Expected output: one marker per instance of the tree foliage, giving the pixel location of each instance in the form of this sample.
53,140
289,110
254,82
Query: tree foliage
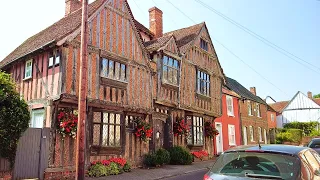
14,117
316,96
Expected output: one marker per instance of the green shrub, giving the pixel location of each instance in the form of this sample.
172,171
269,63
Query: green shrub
314,133
127,167
163,156
306,127
114,169
289,135
150,160
180,155
98,170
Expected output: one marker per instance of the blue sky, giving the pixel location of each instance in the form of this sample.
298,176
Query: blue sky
293,25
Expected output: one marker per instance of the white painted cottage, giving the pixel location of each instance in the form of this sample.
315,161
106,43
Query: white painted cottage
300,108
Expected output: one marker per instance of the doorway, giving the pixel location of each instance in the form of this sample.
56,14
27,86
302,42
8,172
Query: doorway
219,141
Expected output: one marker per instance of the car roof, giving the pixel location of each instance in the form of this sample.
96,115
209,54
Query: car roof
272,148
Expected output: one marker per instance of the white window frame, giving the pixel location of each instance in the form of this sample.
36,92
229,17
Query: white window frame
231,135
28,69
260,134
251,133
230,110
272,117
249,108
33,123
258,110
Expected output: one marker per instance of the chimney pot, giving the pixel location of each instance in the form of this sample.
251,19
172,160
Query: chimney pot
309,94
155,21
253,90
71,6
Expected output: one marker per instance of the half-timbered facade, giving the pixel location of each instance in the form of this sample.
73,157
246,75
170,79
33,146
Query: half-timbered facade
132,72
186,84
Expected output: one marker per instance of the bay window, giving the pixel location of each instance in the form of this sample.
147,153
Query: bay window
170,70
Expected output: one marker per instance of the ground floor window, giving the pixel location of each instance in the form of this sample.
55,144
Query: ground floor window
232,135
107,129
196,136
37,117
251,133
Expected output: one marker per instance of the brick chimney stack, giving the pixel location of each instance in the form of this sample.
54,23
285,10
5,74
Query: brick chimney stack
155,21
253,90
71,6
309,95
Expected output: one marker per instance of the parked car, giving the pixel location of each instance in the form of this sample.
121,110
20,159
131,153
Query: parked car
315,144
266,162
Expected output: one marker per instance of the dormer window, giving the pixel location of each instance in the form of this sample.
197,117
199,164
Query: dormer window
170,71
204,44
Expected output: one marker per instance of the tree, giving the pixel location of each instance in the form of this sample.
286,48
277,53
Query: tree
316,96
14,117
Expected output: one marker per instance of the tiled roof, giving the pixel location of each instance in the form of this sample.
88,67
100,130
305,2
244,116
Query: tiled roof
242,91
317,100
279,106
184,37
157,43
142,28
53,33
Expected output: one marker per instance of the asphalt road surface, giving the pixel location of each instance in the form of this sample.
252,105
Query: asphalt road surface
197,175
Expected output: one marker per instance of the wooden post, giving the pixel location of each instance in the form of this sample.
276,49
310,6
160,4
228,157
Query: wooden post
82,104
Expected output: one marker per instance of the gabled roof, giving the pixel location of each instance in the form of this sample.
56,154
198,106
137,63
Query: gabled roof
301,102
53,33
242,91
184,37
142,28
279,106
316,100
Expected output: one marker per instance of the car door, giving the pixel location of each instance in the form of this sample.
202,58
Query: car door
312,160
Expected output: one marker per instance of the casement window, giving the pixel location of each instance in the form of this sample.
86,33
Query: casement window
260,134
54,59
204,44
272,117
170,70
251,133
203,83
196,136
230,110
113,70
28,69
37,117
106,129
265,136
258,110
249,108
232,134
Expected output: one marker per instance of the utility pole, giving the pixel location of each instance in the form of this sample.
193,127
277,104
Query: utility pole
82,104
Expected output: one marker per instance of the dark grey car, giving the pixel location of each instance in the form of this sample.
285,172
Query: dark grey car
315,144
266,162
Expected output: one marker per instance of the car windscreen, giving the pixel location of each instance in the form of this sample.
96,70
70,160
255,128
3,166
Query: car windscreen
257,164
314,143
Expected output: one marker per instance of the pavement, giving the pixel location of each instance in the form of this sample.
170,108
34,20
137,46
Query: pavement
166,171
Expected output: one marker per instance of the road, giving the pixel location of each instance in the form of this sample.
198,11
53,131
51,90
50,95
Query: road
190,176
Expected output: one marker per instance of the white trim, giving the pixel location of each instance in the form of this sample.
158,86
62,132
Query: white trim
251,130
221,136
28,69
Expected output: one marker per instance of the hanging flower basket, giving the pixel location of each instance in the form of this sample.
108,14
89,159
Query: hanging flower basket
181,127
67,123
209,130
143,129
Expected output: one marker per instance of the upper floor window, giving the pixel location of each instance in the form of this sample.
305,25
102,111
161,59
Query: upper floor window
170,70
230,111
272,117
113,70
249,108
28,69
258,110
54,59
203,83
204,44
